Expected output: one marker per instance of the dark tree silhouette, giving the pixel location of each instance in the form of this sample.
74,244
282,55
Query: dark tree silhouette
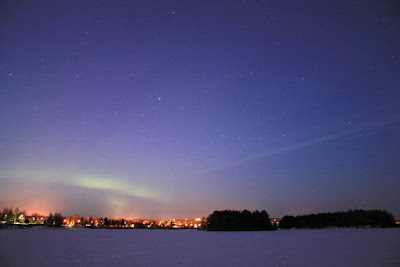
7,215
58,219
351,218
50,219
288,222
231,220
106,222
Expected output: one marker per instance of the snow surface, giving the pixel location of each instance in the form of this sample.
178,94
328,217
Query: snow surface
329,247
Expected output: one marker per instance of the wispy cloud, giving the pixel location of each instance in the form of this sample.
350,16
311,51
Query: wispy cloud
360,130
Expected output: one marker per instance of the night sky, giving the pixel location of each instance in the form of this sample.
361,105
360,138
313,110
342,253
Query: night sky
174,109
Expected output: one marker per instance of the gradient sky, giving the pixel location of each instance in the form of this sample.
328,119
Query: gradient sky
162,109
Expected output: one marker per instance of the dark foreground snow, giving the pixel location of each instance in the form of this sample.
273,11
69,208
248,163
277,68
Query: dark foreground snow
331,247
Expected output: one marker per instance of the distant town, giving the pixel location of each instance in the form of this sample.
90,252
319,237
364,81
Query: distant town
19,218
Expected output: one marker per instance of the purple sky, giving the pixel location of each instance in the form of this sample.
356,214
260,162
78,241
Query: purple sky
178,108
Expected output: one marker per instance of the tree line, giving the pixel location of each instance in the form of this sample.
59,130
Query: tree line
351,218
232,220
54,220
9,215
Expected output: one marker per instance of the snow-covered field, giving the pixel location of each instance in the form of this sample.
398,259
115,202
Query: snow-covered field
330,247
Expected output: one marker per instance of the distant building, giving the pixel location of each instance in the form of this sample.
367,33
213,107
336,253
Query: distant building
275,221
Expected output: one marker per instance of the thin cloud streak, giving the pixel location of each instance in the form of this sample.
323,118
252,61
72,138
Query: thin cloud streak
360,131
